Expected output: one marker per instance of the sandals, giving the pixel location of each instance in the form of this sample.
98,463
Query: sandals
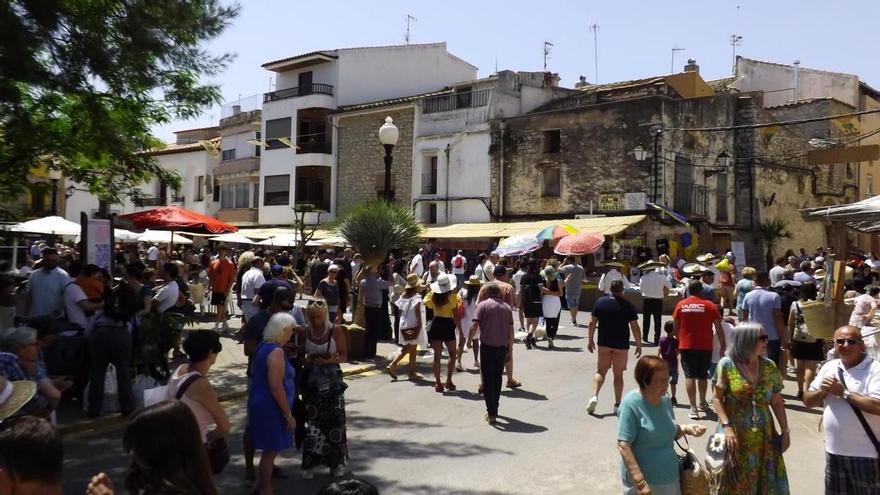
450,386
514,384
438,388
392,371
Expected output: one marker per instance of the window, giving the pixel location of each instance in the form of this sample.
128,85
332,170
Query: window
228,155
463,97
313,186
552,141
200,188
276,189
429,176
278,128
432,213
227,196
258,148
242,196
216,189
552,182
38,199
721,197
256,195
237,196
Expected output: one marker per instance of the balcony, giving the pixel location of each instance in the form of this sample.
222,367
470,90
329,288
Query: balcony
691,199
456,101
323,147
281,94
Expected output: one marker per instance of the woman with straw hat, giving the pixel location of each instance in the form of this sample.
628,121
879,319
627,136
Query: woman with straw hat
14,395
411,334
468,295
443,301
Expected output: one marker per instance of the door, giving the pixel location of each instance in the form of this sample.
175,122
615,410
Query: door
305,83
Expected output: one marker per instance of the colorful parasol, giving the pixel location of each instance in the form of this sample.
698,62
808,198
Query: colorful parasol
556,232
517,245
578,244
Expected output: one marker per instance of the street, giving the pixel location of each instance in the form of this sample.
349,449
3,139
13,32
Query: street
408,439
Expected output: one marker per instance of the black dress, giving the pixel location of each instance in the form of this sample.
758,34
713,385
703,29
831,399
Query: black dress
531,293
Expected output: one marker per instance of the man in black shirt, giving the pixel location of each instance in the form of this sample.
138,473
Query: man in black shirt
617,319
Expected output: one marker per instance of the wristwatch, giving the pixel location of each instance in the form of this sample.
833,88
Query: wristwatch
726,424
845,395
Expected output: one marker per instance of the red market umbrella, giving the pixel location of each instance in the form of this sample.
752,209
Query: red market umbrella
578,244
176,218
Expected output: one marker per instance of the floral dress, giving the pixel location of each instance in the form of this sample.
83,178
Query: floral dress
761,469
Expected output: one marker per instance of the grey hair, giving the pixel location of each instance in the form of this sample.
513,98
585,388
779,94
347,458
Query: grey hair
274,331
493,289
743,341
18,337
245,258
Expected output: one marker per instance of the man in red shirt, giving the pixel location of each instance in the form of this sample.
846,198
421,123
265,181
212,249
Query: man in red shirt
693,318
221,277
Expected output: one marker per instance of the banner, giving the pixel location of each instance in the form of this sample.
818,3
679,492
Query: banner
100,249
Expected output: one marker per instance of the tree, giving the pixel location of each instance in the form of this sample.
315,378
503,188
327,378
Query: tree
82,83
770,232
305,232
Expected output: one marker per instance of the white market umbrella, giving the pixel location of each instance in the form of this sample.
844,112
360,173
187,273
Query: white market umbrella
284,240
234,238
517,245
48,225
162,237
327,241
123,235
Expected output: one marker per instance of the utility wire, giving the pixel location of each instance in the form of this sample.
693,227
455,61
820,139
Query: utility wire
770,124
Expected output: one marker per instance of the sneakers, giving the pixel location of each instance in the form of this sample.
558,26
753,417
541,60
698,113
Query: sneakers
591,405
702,407
308,474
694,413
338,472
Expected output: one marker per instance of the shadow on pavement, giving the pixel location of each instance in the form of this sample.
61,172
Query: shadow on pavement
511,425
519,393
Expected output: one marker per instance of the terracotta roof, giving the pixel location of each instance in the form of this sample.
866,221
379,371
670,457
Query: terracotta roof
805,101
620,84
722,84
332,53
777,64
391,101
180,148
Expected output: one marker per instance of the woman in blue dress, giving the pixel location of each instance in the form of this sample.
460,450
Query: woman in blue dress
271,400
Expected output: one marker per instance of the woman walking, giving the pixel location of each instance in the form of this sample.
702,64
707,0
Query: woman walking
270,404
530,300
747,388
326,443
805,349
647,430
468,296
443,301
412,334
328,290
551,304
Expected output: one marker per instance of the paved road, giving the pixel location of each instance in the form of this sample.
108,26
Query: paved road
408,439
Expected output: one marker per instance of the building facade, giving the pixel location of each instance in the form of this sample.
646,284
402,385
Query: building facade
236,181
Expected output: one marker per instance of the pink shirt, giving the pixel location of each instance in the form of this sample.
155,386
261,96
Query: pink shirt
496,322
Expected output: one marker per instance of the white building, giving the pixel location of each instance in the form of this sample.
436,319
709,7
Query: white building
237,177
298,163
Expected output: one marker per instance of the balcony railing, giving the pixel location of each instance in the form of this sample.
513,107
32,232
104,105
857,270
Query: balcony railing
322,89
691,199
429,184
151,202
178,199
455,101
324,147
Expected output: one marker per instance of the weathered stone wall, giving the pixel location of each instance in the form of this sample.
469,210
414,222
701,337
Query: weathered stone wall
361,166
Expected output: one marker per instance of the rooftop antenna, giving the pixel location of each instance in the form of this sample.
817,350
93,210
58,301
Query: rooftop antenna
595,28
409,19
672,64
496,64
547,47
797,79
735,41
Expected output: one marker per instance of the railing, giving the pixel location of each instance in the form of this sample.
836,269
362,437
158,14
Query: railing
455,101
324,147
323,205
178,199
429,184
323,89
691,199
151,202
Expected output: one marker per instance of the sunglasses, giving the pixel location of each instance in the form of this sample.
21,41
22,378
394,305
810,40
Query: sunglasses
764,338
318,303
847,341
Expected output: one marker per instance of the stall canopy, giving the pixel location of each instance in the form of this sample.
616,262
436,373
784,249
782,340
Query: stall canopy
234,238
162,237
47,225
863,216
177,218
328,241
601,225
265,233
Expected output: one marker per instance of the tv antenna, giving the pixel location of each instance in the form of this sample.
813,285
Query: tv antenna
735,41
409,19
547,47
672,64
595,29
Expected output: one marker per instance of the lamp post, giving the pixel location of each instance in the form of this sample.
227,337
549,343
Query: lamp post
54,177
388,135
641,154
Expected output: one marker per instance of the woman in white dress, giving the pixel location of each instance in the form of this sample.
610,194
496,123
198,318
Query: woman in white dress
468,296
412,335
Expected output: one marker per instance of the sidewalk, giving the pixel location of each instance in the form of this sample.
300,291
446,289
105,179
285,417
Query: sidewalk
228,376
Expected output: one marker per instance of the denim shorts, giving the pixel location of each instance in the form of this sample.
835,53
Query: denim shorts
572,299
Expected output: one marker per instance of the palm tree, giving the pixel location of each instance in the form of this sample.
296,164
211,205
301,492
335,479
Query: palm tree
375,228
770,232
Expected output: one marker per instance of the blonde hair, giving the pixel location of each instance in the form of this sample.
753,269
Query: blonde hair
317,307
274,331
246,258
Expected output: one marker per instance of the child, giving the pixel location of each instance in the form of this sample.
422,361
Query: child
669,352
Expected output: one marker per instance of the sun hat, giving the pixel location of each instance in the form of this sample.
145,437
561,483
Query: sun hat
614,263
413,281
473,280
703,258
693,269
14,395
749,271
650,265
820,273
333,267
445,283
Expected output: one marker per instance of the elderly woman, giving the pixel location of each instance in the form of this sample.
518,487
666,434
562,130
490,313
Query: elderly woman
647,430
324,349
20,361
747,387
328,290
270,403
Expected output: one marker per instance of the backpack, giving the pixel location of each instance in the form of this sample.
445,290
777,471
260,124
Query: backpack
120,304
458,261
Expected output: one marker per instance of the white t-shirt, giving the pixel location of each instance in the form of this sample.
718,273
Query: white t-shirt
73,294
408,311
716,344
153,253
458,270
416,266
167,296
862,306
251,282
652,284
516,279
844,434
608,277
488,271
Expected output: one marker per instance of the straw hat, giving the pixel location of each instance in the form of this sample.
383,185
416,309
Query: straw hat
693,268
820,273
613,263
704,258
413,281
473,280
14,395
445,283
749,271
650,265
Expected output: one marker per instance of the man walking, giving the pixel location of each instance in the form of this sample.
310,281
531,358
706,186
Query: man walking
617,319
417,264
693,318
764,306
459,267
46,287
221,278
850,389
494,320
654,287
508,296
574,277
250,284
371,287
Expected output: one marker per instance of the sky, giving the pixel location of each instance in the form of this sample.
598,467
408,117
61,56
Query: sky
635,38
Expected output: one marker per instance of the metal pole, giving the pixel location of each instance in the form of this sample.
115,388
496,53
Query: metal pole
656,162
54,197
386,191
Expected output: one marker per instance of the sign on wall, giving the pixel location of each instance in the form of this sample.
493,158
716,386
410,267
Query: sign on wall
623,201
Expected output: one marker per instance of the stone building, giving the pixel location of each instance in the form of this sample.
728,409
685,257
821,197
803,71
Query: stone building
594,153
236,183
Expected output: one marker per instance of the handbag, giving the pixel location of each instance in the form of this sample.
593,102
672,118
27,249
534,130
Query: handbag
218,454
324,379
691,476
410,333
860,415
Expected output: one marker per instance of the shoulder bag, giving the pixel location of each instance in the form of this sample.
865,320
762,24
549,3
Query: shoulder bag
691,476
218,449
410,333
325,379
860,415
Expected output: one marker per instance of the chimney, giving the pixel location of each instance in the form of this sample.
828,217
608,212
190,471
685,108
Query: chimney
236,109
692,66
582,83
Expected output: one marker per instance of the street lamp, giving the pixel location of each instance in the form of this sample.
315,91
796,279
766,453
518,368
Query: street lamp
723,160
388,135
640,153
54,176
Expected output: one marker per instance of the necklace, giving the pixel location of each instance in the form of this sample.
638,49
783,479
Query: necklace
317,338
753,380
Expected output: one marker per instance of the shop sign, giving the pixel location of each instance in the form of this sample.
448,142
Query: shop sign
623,201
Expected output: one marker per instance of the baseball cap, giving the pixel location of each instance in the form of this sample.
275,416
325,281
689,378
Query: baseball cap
276,269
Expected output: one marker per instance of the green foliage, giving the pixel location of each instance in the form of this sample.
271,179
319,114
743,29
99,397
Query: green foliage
304,231
82,83
770,232
378,227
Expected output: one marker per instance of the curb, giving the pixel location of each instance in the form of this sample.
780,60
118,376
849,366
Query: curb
112,420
